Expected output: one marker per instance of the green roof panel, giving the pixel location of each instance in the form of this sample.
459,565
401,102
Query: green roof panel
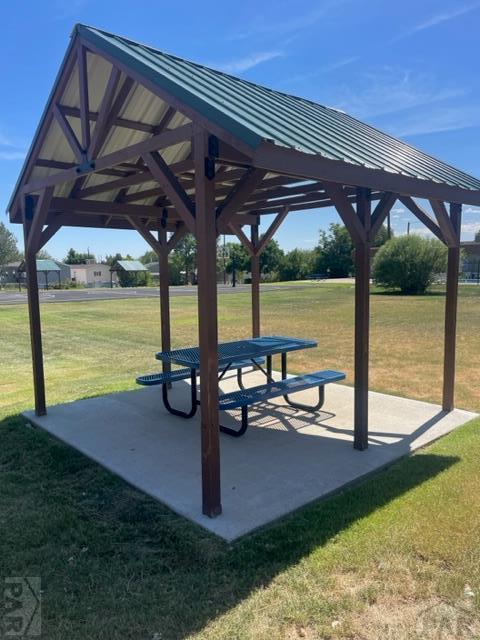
253,113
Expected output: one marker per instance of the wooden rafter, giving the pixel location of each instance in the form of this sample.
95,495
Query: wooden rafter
69,134
243,238
444,222
83,91
104,114
171,187
239,194
167,138
146,234
381,211
422,215
346,211
268,235
40,215
179,233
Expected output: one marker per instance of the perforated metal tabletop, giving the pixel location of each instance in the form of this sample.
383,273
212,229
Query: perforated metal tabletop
237,350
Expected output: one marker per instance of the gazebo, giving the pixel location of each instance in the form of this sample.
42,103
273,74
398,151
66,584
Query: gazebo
134,138
126,266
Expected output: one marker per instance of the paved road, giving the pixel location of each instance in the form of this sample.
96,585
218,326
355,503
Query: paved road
81,295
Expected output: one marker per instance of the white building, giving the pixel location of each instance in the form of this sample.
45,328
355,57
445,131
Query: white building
92,275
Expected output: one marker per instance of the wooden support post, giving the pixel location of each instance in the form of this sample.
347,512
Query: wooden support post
255,269
206,234
362,313
451,303
34,311
163,274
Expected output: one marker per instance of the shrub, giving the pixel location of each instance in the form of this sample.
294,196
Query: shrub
409,263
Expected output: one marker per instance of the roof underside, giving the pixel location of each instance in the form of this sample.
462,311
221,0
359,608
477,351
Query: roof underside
248,113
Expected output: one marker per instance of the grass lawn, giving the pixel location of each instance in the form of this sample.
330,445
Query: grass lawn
395,557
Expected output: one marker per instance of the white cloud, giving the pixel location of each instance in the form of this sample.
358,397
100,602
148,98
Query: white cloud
297,23
12,155
441,118
391,90
339,64
437,19
247,62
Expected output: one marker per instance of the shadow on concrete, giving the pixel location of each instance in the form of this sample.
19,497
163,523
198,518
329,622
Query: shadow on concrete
144,562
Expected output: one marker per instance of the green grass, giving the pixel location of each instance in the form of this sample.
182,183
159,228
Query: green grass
395,557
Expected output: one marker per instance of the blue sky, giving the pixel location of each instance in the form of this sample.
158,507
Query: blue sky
409,68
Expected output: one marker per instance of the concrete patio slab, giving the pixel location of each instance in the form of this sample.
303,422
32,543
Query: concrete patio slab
286,459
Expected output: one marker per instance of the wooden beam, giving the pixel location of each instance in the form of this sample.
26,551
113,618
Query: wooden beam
268,235
164,284
34,312
69,134
208,332
83,89
124,123
293,162
40,215
451,304
101,206
57,164
346,211
381,211
168,138
179,233
239,194
255,271
146,234
362,322
242,237
47,234
171,187
104,120
444,222
423,216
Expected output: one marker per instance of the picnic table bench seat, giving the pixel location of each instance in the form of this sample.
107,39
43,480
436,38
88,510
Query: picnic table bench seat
243,398
175,375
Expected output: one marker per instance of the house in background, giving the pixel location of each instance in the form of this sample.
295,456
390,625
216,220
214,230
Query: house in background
130,273
92,274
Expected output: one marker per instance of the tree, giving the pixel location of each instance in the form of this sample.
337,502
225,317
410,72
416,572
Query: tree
8,246
271,260
75,257
297,264
148,257
409,263
477,236
335,251
186,252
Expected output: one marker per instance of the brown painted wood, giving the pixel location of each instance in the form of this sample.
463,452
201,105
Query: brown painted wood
164,282
179,233
423,216
146,234
161,141
104,120
57,164
34,313
346,211
47,234
270,232
243,238
40,215
124,123
255,270
444,223
362,321
171,187
381,211
239,194
83,89
101,206
207,323
68,133
292,162
451,304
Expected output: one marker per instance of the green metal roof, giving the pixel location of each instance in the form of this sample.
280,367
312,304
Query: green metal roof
47,265
253,113
131,265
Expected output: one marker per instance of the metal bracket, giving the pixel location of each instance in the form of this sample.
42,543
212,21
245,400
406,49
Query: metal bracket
210,167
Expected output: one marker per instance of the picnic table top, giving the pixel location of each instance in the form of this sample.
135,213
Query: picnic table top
237,350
